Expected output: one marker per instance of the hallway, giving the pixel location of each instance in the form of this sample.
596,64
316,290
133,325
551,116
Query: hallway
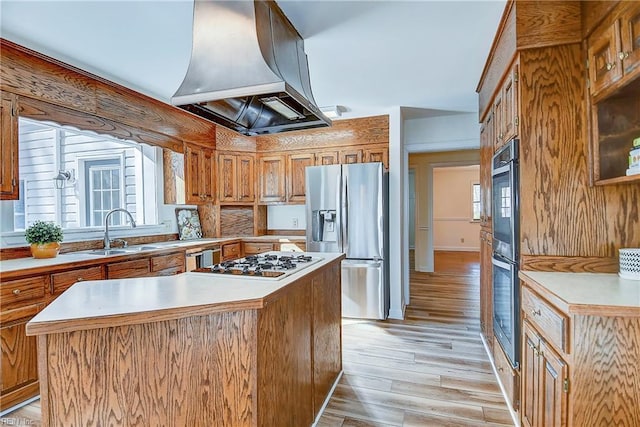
428,370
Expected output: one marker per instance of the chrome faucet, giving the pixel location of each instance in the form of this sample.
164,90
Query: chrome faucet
107,241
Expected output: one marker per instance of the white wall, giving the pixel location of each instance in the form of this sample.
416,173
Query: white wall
448,132
453,225
398,223
286,217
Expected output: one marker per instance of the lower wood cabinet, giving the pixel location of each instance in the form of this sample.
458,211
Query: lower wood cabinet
252,248
486,287
579,363
168,265
19,356
60,282
545,380
231,251
128,269
507,375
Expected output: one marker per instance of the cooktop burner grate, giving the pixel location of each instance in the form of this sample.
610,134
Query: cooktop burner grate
267,265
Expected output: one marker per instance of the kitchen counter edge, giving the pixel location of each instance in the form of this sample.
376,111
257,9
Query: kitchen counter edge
255,293
597,294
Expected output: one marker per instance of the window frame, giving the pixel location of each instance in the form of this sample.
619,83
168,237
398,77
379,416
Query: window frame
475,202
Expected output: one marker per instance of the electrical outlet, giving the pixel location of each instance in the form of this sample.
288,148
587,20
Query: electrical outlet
295,222
462,240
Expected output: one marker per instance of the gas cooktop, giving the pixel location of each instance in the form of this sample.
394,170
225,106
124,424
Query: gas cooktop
264,266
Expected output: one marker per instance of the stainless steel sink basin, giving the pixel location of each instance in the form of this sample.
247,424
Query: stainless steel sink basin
139,248
107,252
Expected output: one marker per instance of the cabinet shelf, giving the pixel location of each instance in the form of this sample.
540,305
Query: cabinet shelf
616,121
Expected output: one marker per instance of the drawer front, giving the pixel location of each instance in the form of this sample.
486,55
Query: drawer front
293,247
62,281
553,325
506,374
23,290
256,248
231,251
162,262
126,269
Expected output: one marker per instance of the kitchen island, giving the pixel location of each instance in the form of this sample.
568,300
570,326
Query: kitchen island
192,349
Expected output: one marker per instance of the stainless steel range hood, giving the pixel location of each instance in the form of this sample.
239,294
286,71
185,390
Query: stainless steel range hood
248,70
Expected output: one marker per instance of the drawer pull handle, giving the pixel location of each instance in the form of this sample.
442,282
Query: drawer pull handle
79,279
536,312
500,369
16,291
610,66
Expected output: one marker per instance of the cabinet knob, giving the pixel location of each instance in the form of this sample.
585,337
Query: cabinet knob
610,66
16,291
500,369
536,312
623,55
79,279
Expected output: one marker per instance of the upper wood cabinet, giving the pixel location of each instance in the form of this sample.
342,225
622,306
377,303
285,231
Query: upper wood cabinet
614,78
486,156
199,174
296,164
327,158
350,156
505,109
236,178
378,154
272,173
614,49
9,189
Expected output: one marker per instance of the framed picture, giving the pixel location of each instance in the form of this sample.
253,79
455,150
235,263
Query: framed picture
188,224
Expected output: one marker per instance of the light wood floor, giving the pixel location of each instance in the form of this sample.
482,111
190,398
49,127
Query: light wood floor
428,370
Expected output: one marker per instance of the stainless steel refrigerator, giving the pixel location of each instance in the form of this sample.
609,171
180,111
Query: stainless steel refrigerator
346,211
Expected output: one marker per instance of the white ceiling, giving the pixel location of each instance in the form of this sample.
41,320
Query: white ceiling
366,56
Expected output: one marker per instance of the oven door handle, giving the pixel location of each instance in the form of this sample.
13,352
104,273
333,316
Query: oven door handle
501,264
502,169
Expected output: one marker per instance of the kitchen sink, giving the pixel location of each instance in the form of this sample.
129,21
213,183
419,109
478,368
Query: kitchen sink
139,248
107,252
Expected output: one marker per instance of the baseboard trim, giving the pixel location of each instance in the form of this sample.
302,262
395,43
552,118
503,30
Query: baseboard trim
326,400
514,415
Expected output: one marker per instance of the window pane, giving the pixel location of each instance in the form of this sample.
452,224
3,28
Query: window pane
97,163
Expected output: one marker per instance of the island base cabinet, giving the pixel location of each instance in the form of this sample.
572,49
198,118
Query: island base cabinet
193,371
249,364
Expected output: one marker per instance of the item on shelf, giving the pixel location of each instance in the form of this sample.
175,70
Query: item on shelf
188,224
634,157
634,170
630,263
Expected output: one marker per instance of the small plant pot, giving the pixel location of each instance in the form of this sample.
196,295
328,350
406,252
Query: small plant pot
45,250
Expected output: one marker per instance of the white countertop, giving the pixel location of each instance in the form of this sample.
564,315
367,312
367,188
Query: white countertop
74,257
607,294
99,303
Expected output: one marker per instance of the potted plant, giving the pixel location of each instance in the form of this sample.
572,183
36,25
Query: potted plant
45,238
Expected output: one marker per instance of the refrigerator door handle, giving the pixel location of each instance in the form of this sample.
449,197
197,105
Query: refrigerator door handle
346,214
339,237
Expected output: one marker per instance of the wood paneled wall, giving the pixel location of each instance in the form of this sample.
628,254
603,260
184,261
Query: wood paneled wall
561,214
236,221
81,97
367,130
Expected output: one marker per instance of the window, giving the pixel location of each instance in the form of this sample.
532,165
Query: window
505,202
475,201
104,190
102,173
19,214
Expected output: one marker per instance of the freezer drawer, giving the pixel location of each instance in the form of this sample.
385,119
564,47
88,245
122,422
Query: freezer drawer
365,294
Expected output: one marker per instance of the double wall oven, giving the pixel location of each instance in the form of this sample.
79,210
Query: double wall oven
506,236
